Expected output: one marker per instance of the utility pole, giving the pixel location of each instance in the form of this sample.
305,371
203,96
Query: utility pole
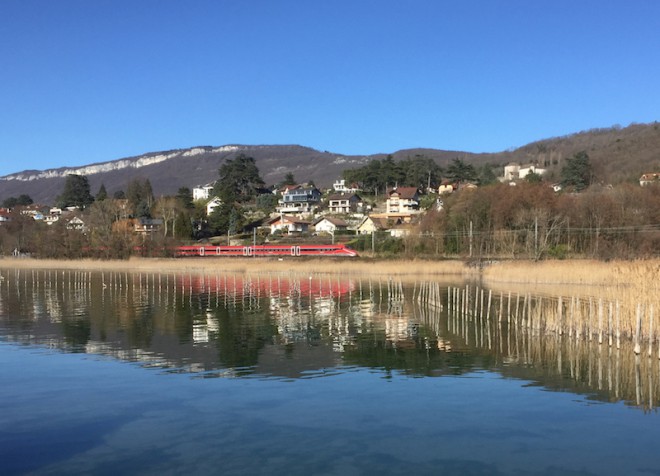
536,237
470,238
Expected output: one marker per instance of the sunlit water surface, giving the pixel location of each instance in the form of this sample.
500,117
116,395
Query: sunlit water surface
177,374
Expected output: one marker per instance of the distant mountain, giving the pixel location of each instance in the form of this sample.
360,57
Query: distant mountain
618,154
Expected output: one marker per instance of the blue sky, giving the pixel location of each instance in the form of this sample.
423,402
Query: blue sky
86,81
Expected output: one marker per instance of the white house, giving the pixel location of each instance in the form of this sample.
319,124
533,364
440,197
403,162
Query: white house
344,203
446,187
5,214
288,224
516,171
202,193
341,187
299,199
371,224
403,200
330,225
648,179
76,223
214,203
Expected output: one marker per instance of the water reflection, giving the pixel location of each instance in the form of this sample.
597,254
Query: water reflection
267,326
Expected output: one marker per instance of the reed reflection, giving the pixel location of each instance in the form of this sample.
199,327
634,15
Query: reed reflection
272,326
563,344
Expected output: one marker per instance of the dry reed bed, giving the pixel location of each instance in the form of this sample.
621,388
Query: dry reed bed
624,295
400,269
589,289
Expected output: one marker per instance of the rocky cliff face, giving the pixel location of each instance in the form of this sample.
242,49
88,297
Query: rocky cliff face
170,170
617,154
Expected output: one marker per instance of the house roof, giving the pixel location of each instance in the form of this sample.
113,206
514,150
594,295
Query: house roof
405,192
288,188
287,219
343,196
335,221
379,223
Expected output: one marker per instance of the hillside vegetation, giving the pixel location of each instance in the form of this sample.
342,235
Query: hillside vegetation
618,155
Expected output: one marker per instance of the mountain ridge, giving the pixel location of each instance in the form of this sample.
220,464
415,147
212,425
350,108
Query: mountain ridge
618,154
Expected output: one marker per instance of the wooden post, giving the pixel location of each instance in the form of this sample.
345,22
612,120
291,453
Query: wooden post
591,314
560,315
638,331
600,321
618,325
651,330
609,323
490,295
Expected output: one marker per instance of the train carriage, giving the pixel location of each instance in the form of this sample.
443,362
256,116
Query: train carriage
265,250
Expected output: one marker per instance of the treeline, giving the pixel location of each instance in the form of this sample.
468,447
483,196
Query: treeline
417,171
530,220
108,226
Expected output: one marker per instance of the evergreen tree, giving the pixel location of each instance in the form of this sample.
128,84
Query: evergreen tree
266,202
140,196
102,194
420,172
220,220
239,179
24,199
459,171
377,175
183,226
486,175
76,192
21,200
576,172
185,197
289,179
9,202
533,177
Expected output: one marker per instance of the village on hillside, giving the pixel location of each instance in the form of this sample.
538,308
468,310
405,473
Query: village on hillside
304,212
301,209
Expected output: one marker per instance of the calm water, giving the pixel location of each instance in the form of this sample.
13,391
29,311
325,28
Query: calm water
108,373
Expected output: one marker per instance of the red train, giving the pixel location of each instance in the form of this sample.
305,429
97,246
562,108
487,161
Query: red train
265,250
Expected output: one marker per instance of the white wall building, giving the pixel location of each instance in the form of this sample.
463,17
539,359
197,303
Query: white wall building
214,203
517,171
202,193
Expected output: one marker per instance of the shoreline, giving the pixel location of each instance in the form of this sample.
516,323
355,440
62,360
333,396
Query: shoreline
331,266
551,272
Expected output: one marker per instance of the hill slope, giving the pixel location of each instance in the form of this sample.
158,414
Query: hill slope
617,154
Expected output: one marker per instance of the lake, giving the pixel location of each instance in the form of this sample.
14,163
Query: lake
180,373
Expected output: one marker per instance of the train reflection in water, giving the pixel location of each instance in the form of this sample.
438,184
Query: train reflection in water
273,326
